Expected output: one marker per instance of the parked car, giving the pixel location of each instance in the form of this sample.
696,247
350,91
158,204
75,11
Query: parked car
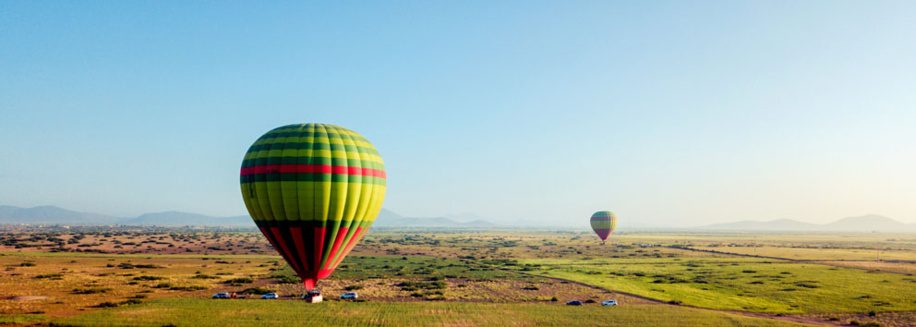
574,302
349,296
270,296
221,295
609,302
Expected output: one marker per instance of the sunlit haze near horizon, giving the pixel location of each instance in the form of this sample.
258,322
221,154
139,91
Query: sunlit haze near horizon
668,113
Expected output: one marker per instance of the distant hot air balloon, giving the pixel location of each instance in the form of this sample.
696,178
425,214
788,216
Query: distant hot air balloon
313,190
604,222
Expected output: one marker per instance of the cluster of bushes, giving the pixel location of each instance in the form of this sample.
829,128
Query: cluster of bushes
413,286
238,281
284,276
172,287
131,300
128,265
256,290
148,278
91,290
49,276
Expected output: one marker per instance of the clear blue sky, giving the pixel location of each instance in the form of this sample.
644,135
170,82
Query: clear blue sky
669,113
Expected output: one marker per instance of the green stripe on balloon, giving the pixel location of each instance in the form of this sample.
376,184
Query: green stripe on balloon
292,160
312,177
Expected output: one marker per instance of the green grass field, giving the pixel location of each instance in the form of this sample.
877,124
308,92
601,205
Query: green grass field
818,254
21,319
205,312
743,284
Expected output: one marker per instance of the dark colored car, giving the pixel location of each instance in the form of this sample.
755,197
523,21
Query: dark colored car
574,302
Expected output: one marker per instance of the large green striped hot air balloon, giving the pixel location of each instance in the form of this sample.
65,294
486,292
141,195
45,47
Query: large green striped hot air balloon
603,223
313,190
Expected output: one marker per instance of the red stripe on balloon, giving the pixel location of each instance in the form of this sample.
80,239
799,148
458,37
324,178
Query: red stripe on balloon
356,236
285,248
300,246
270,238
318,247
341,233
313,169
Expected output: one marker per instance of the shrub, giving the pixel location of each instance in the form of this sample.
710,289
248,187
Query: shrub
238,281
353,287
256,290
806,284
27,264
53,276
148,278
284,277
187,288
90,290
107,305
128,265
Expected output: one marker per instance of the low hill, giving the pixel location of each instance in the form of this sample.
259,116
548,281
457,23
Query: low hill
389,219
49,215
52,215
774,225
867,223
177,218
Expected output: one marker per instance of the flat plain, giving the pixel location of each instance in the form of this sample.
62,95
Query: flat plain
157,277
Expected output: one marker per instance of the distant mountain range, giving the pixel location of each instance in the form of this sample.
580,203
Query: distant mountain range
51,215
867,223
388,218
177,218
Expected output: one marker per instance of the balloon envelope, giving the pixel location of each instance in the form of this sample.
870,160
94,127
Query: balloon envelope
313,190
603,223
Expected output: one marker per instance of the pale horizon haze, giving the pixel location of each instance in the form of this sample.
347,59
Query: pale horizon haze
668,113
